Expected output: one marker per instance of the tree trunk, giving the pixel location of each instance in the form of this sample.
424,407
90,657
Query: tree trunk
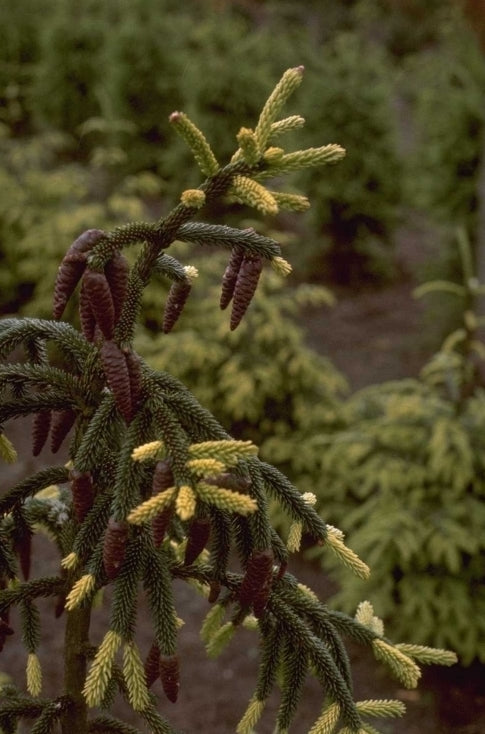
74,721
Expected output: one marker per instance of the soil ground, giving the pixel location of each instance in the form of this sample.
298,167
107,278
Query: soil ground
371,336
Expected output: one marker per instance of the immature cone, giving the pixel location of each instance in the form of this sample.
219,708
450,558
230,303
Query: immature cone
230,276
23,548
62,422
176,299
82,493
101,301
117,271
40,430
199,533
170,677
227,480
152,665
246,284
86,315
256,584
117,377
162,476
72,268
160,524
114,547
133,365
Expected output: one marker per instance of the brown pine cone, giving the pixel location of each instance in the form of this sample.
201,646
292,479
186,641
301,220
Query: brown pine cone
114,547
152,665
72,268
117,377
199,533
117,271
82,493
256,584
160,524
62,422
230,276
101,301
176,299
246,284
170,676
86,315
162,476
133,365
40,430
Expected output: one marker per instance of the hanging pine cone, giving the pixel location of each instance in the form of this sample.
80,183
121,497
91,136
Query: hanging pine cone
40,430
246,284
82,493
170,676
101,301
117,377
226,480
71,269
117,271
62,422
197,539
230,276
152,665
160,524
86,315
176,299
256,584
114,547
162,476
133,365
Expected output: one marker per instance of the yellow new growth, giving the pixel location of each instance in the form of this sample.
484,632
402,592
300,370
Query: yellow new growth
327,721
151,507
365,615
99,675
288,83
309,157
205,467
227,451
70,561
294,536
7,450
81,589
147,451
193,198
185,502
197,142
226,499
191,272
400,664
249,145
281,266
428,655
288,124
134,675
347,556
254,194
291,202
33,675
220,639
212,622
251,716
384,708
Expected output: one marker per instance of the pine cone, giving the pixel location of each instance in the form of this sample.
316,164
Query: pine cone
117,271
162,476
246,284
170,677
62,422
117,377
230,481
133,365
160,524
101,301
72,268
256,584
82,493
40,430
176,299
230,276
114,547
199,533
152,665
86,315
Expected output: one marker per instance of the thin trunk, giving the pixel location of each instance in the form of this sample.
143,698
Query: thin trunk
74,721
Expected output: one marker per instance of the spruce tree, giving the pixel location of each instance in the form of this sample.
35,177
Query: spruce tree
155,490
